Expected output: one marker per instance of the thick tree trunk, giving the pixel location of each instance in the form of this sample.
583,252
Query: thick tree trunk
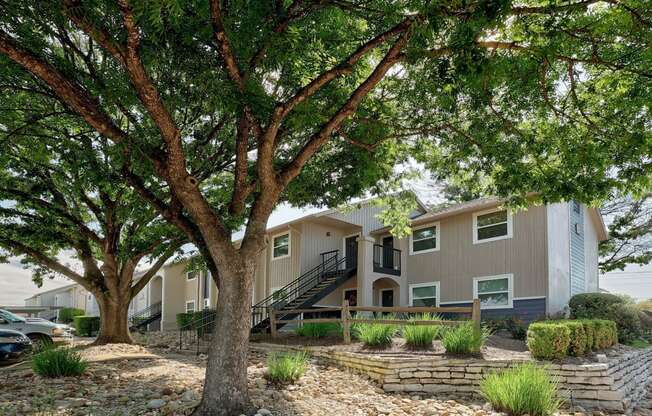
225,391
114,328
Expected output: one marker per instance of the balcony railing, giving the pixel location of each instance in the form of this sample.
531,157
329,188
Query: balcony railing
387,260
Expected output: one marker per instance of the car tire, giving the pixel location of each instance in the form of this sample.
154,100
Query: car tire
39,341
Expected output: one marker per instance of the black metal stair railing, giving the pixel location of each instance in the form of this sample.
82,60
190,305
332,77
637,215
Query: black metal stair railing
330,264
145,316
387,259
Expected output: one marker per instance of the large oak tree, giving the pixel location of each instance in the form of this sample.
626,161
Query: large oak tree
224,108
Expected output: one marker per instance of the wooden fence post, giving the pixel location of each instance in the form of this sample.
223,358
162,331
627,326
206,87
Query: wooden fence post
346,325
272,322
475,314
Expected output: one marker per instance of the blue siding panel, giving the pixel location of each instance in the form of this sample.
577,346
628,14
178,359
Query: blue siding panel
577,279
526,310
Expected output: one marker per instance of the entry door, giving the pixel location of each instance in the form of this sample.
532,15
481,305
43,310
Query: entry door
351,251
387,298
388,252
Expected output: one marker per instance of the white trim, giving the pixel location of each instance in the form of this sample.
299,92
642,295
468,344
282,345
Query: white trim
510,225
289,234
190,272
510,290
344,241
380,293
208,280
437,238
415,285
194,306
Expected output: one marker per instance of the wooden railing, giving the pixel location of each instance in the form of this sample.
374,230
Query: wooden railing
346,319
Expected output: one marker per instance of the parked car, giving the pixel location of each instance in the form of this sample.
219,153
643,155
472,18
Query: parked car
13,345
66,328
39,332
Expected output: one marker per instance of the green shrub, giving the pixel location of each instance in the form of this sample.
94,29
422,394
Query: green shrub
578,345
589,332
464,339
421,336
66,315
184,319
516,327
317,329
548,340
592,305
627,320
283,368
375,334
523,389
59,362
605,334
86,325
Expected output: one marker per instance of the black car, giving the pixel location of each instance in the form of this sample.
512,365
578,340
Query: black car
14,346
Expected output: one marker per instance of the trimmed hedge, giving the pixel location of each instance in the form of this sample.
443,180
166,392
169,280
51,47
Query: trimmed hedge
548,340
557,339
86,325
66,315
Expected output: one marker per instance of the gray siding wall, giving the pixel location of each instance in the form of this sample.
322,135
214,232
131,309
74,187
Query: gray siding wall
577,255
459,260
590,251
558,220
364,215
283,271
315,240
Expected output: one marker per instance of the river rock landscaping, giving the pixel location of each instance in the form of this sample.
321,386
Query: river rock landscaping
139,380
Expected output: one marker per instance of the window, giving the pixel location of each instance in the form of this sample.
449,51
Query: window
281,246
207,303
425,239
494,292
424,294
492,225
190,306
192,275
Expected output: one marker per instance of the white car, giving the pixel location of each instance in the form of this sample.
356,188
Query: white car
40,332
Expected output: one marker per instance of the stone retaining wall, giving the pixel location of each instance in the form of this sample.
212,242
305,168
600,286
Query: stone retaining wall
615,385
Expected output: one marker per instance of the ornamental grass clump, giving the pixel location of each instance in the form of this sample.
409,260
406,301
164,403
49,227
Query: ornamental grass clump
283,368
421,336
465,339
58,362
317,329
523,389
376,334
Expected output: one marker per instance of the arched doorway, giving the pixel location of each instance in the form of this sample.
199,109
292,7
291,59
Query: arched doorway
386,292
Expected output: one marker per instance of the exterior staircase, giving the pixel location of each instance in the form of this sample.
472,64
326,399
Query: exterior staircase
140,319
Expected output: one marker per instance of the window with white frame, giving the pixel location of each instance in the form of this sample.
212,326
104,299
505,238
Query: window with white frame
281,246
192,275
424,294
492,225
424,239
207,303
190,306
494,292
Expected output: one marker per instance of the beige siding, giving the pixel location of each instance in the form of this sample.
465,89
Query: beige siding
174,293
284,270
459,260
336,297
319,238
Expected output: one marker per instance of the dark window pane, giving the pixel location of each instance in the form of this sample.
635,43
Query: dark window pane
425,302
492,218
492,231
496,285
429,232
281,240
496,299
424,244
281,251
424,292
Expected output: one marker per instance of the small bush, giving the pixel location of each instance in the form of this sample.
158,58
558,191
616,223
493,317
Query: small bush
603,335
184,319
286,368
59,362
578,345
66,315
375,334
628,321
589,332
86,325
316,329
421,336
464,339
548,340
516,327
592,305
523,389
